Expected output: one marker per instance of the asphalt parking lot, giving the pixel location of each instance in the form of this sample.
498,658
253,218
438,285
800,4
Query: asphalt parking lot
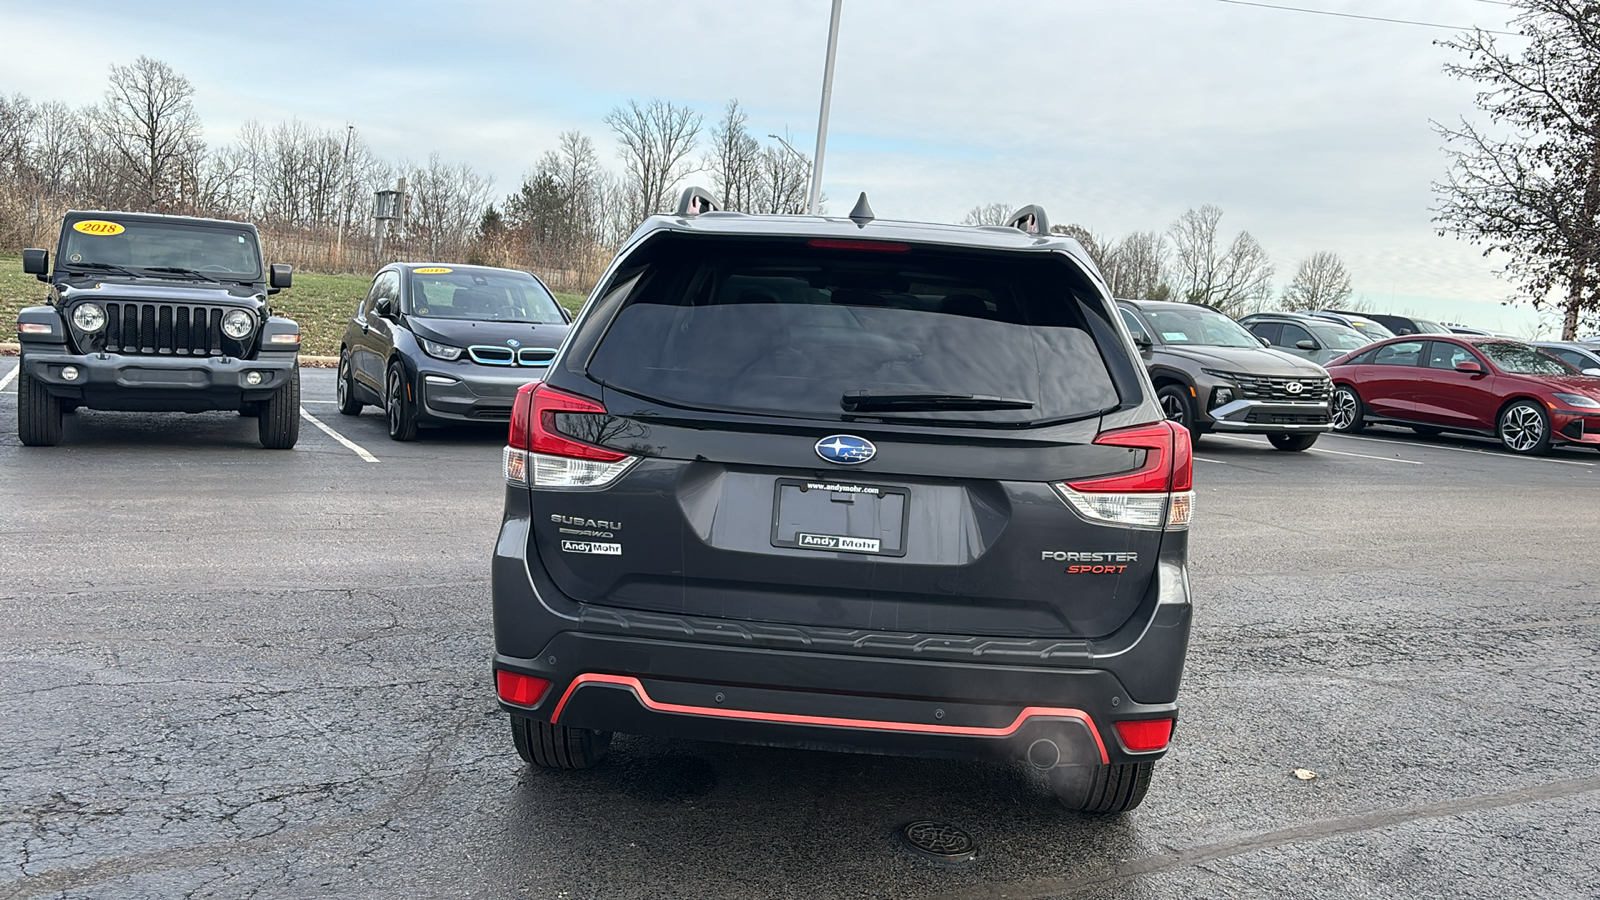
226,672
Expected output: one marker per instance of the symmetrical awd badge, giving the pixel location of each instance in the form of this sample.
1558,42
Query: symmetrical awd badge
846,449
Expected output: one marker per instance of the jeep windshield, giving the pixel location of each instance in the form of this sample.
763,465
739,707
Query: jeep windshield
161,249
1199,326
919,333
442,292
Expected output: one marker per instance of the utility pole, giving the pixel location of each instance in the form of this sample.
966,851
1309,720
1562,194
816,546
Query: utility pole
822,118
344,200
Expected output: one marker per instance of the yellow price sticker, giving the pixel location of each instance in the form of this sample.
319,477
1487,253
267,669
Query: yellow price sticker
431,270
98,227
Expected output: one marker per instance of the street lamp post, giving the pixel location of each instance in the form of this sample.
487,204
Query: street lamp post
822,118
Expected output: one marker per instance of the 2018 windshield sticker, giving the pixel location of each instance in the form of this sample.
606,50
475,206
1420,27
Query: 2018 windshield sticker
98,227
432,270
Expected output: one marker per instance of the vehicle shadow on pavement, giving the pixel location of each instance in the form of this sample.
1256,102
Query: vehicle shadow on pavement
168,432
703,812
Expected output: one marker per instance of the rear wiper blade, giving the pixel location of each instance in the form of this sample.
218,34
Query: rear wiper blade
179,270
104,267
876,401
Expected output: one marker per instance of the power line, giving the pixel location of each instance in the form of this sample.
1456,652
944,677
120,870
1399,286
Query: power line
1345,15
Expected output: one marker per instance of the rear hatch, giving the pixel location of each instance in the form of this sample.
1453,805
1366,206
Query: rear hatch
845,434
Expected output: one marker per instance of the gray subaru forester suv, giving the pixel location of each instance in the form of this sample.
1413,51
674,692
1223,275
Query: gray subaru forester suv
848,484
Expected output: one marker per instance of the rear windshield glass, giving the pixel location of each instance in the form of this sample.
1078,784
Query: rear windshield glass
442,292
924,333
137,245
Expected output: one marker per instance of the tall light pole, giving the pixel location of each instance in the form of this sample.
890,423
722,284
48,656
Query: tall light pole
822,119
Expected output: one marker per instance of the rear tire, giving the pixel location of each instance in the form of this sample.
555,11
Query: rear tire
1348,417
1292,443
278,422
345,387
557,746
38,413
1102,790
400,411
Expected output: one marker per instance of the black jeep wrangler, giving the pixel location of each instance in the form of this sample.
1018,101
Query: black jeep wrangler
157,313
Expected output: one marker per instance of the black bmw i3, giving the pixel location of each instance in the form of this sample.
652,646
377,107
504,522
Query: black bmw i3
433,344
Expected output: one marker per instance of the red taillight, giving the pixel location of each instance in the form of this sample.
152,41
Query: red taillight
521,414
533,423
845,244
1168,462
523,690
1144,735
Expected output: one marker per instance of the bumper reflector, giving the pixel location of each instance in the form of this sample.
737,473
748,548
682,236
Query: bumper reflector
1145,734
523,690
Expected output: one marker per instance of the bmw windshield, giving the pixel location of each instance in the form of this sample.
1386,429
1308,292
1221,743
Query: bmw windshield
444,292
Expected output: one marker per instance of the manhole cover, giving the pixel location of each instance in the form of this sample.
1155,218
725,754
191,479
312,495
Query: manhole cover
939,840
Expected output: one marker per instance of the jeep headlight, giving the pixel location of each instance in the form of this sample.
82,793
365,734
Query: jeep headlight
89,317
440,351
238,324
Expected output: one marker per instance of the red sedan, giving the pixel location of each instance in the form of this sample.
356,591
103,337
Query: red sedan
1477,385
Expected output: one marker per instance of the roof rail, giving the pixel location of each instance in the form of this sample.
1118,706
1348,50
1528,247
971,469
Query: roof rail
696,200
1030,219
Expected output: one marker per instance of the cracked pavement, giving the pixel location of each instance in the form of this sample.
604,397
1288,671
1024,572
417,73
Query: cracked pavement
229,672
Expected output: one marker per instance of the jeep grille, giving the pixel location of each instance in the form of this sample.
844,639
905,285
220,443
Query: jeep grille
163,329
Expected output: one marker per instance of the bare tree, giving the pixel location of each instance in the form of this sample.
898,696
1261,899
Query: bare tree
988,214
1321,282
149,122
447,204
1136,267
1229,279
735,160
1094,244
1527,184
17,117
784,181
656,141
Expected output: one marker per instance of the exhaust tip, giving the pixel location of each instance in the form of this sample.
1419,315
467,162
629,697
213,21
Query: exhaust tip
1044,754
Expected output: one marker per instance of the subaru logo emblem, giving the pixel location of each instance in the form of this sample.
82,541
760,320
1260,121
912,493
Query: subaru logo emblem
1294,387
513,343
846,449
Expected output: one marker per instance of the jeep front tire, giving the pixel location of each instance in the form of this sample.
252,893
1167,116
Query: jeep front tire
278,422
38,413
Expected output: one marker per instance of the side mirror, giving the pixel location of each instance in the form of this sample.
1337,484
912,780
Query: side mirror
1592,373
37,263
1470,367
1264,341
1307,345
384,307
1142,342
280,276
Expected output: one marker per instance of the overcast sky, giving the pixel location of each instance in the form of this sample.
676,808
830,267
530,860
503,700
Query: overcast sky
1312,132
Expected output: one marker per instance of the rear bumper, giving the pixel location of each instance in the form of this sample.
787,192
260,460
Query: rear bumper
830,688
115,381
822,701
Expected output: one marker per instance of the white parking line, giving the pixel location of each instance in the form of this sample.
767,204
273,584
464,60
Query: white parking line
1559,462
1245,440
352,445
304,402
6,381
1203,459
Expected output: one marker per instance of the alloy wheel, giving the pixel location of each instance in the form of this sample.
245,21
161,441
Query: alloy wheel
1344,409
1522,428
393,404
1173,406
342,387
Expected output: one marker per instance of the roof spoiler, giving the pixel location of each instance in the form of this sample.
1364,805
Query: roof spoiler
695,201
1030,219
